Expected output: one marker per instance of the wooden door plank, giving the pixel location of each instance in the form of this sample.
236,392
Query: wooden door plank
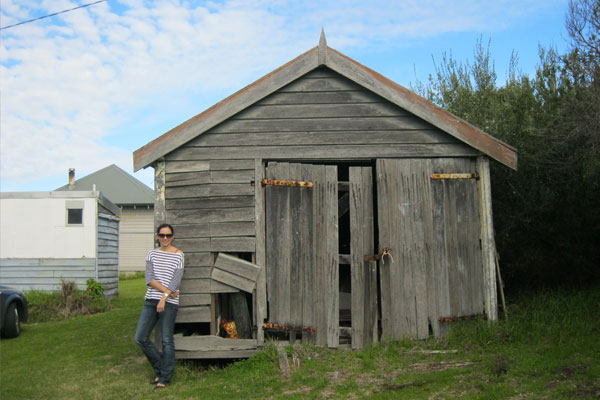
332,256
278,245
260,300
363,274
295,288
307,255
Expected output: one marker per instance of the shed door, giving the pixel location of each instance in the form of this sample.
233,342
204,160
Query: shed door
302,250
433,229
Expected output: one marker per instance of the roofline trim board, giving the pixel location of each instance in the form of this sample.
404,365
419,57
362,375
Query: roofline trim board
344,65
226,108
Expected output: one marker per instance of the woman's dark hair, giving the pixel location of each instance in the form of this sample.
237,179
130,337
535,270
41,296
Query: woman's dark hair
165,226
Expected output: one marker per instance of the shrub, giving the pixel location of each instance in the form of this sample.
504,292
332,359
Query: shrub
69,302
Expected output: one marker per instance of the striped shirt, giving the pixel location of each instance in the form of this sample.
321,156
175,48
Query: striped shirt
167,269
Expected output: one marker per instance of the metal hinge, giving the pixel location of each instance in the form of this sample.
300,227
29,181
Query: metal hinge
386,252
455,176
277,182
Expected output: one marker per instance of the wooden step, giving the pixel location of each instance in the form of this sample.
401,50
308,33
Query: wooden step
208,346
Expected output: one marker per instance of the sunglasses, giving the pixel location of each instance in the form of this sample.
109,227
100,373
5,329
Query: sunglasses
165,235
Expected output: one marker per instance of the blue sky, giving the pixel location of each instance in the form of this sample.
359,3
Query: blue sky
85,89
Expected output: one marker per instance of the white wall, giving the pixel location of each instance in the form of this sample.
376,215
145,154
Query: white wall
37,228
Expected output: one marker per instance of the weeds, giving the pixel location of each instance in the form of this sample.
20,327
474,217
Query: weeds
69,302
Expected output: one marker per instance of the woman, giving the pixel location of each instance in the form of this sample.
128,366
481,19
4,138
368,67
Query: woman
164,268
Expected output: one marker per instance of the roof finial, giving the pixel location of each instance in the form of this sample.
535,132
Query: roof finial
322,47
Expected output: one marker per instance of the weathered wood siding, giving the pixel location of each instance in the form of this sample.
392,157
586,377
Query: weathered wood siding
433,228
108,254
208,195
45,274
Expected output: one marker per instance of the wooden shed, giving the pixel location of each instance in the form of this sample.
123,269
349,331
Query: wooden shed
328,204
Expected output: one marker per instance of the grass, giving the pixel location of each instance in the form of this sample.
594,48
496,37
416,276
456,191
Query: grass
549,349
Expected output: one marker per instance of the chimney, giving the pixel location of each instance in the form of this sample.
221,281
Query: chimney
71,176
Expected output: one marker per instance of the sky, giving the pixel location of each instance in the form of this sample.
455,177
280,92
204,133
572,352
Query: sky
86,88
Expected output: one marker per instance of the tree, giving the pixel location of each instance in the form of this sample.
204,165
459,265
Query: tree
547,214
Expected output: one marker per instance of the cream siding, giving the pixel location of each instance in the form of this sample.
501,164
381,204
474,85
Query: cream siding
136,237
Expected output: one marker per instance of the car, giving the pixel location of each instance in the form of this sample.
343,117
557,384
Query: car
13,311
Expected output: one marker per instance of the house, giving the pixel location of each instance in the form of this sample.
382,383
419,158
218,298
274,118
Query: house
328,204
136,201
49,236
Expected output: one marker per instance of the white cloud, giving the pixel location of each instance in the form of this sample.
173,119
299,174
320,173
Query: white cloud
73,87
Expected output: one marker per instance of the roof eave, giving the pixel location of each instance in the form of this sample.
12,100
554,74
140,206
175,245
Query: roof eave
422,108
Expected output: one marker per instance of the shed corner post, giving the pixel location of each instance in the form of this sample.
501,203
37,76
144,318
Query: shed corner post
488,243
159,193
260,251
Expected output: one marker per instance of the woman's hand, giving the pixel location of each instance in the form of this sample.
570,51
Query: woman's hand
160,307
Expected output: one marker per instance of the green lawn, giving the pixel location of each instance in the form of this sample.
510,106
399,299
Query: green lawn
549,349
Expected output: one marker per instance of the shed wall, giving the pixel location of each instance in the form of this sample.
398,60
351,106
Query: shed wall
322,116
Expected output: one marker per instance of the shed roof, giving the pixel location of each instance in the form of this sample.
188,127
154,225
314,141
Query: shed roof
351,69
116,184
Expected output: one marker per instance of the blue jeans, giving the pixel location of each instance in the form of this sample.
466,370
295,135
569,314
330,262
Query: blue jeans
163,363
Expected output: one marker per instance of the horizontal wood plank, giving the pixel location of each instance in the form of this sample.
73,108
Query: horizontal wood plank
210,215
321,138
208,190
233,280
186,166
194,300
237,266
196,272
321,111
347,96
193,314
233,244
197,259
329,152
229,165
322,124
193,244
210,202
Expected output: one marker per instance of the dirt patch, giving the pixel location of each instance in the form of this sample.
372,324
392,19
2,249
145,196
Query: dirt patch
569,371
439,366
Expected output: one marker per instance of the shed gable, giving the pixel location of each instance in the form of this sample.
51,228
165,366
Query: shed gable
318,116
310,61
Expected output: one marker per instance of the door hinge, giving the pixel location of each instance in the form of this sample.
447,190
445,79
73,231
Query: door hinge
277,182
386,252
455,176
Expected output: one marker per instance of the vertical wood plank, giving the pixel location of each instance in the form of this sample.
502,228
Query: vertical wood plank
295,244
307,254
403,202
487,239
160,215
319,222
260,298
278,245
332,256
363,274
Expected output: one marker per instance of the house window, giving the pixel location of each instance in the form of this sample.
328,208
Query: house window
74,213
